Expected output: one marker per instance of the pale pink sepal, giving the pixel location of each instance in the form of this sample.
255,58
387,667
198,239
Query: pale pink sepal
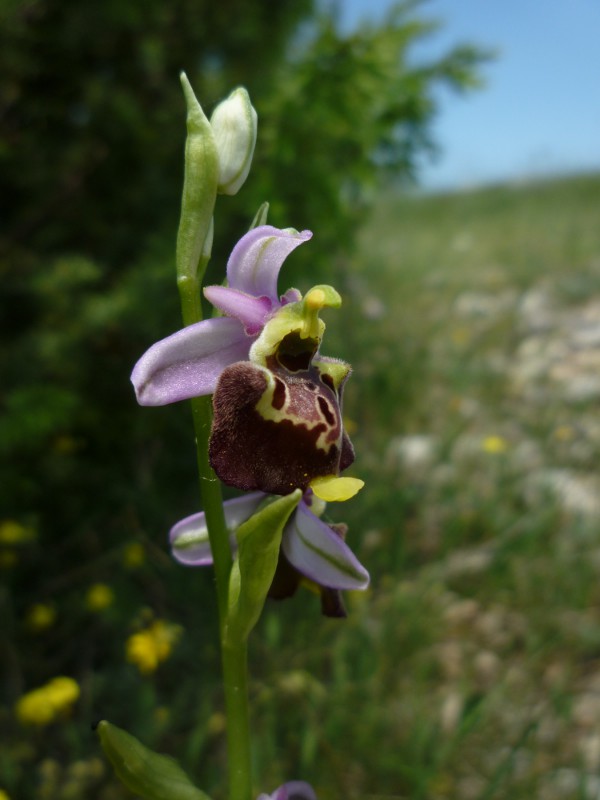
316,551
189,537
249,310
188,363
255,261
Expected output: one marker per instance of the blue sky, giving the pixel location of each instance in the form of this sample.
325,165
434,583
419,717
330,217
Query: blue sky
539,112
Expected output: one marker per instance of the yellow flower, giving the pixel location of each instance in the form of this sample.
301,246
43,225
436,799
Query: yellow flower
134,555
47,703
494,444
564,433
4,795
99,597
39,617
12,532
461,336
148,648
62,691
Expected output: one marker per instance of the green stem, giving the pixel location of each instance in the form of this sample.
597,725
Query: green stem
235,677
233,655
212,503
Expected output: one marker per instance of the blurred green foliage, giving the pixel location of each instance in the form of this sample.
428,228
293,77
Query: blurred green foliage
91,142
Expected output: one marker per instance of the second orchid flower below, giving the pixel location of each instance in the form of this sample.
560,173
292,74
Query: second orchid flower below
312,552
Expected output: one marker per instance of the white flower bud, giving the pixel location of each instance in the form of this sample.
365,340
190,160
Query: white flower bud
234,123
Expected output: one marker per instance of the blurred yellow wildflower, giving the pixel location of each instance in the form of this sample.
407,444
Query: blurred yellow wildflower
494,444
65,445
564,433
4,795
461,336
40,616
8,559
49,772
99,596
148,648
134,555
47,703
12,532
216,724
162,715
350,425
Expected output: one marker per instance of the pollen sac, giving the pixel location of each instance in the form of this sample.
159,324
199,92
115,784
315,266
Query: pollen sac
278,425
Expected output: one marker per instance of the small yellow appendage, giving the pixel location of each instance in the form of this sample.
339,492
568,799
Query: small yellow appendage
333,489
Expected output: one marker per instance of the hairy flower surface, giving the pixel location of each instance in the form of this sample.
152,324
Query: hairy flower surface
310,549
277,401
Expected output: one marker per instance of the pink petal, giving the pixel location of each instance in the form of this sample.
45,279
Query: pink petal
255,261
189,537
188,363
319,553
293,790
251,311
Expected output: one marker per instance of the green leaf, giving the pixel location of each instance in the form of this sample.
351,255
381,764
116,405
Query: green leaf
259,540
150,775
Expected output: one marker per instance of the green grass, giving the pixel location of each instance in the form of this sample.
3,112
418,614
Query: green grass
472,667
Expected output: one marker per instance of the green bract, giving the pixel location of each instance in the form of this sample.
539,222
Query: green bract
259,540
199,187
150,775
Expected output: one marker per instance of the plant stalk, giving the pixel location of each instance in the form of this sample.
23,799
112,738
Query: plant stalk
233,655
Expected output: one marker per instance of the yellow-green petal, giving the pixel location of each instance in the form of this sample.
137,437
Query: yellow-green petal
332,489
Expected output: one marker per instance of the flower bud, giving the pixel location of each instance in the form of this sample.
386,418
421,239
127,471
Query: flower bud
234,124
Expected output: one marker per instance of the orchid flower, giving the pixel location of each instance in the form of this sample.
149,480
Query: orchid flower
277,401
311,550
188,363
293,790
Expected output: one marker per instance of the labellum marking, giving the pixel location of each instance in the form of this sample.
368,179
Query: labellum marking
299,401
276,430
